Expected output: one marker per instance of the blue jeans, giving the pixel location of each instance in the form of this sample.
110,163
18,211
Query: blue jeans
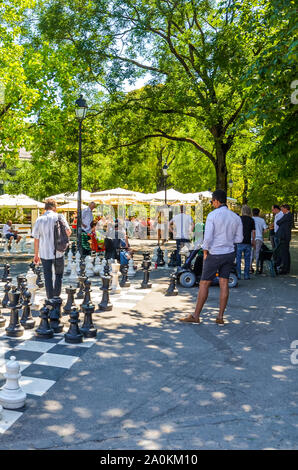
246,249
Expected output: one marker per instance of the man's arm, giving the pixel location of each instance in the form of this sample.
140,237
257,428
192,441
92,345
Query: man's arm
239,232
36,251
208,236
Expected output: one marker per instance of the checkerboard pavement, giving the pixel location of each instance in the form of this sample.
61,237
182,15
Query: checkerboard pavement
44,362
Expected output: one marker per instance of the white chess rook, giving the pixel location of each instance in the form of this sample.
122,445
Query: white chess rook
11,395
73,275
31,283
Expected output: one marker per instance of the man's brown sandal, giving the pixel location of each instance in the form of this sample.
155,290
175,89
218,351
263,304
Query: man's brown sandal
219,321
189,319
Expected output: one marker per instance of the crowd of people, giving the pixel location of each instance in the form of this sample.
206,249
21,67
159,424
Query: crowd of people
226,237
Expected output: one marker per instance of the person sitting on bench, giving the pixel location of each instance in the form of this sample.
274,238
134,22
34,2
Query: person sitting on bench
9,233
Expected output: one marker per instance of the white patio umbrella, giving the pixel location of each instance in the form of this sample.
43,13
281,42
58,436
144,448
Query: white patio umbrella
173,196
115,196
20,200
70,206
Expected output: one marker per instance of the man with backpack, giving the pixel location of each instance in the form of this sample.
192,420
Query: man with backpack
51,233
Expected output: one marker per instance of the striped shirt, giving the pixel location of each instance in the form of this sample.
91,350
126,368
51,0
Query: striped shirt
43,230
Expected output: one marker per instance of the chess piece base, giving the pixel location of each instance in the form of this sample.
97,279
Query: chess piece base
78,338
16,332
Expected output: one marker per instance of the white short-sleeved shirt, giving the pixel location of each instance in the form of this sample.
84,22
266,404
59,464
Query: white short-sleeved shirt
260,225
6,229
87,218
182,226
43,230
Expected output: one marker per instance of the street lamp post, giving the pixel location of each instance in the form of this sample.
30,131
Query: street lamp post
81,111
231,182
165,174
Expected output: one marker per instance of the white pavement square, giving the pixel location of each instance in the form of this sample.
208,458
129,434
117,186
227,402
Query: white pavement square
35,386
56,360
35,346
8,418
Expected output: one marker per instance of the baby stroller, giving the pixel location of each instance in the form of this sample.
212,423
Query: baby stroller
189,274
267,257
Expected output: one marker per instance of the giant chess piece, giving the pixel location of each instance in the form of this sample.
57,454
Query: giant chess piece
6,272
44,330
87,295
69,261
146,269
70,303
73,248
22,244
96,268
27,320
32,266
7,288
39,281
82,267
22,284
166,258
31,284
74,336
131,271
6,250
13,248
172,289
124,280
80,294
78,262
115,279
54,306
12,396
89,266
105,303
88,329
73,275
14,329
154,257
160,259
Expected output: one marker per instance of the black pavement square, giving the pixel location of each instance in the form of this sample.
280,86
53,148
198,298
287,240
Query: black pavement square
22,355
39,371
69,350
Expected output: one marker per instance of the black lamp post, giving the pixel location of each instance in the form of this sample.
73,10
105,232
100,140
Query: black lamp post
81,111
165,174
231,182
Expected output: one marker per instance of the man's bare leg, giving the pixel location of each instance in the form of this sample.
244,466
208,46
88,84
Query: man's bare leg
202,297
223,296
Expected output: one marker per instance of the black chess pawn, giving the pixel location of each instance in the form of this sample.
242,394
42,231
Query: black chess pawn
74,336
87,295
105,303
88,329
124,280
20,280
82,267
39,281
146,269
6,272
70,303
172,289
7,288
54,306
82,279
33,266
160,259
44,330
27,320
73,248
14,329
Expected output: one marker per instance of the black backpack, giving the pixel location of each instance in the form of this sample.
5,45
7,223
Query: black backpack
61,239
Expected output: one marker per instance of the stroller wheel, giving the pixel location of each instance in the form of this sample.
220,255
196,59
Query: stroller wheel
233,280
187,279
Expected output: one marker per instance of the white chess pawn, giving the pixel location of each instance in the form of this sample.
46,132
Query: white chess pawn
154,256
11,395
31,283
73,274
97,265
22,244
102,265
78,257
89,266
69,261
116,289
13,246
6,250
131,272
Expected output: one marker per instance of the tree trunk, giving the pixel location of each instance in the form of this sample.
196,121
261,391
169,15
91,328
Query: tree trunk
245,180
221,168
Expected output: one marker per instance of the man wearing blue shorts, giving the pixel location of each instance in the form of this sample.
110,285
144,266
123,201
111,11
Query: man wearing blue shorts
223,229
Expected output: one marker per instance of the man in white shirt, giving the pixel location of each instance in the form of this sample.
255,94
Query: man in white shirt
44,248
278,214
182,226
87,217
260,225
223,229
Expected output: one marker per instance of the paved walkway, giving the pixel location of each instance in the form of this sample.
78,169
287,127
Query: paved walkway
150,382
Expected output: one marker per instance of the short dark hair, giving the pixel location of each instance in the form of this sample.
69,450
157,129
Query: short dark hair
255,211
286,206
275,206
220,196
